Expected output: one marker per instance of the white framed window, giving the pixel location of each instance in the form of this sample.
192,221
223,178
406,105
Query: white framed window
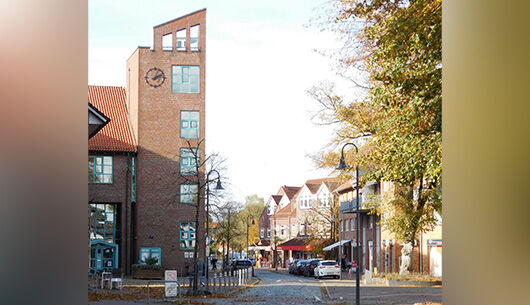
167,42
261,232
293,229
302,229
268,232
194,38
181,40
282,230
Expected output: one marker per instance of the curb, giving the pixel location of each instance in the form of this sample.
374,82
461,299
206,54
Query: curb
250,285
328,295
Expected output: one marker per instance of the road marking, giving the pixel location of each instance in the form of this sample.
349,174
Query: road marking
278,281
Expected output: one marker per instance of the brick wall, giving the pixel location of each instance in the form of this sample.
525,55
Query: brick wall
118,193
159,211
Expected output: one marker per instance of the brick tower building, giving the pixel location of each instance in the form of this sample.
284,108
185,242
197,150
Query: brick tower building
165,110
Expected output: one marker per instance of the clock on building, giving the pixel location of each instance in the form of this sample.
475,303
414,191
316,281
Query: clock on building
155,77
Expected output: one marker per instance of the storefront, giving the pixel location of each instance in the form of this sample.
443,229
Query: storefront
295,248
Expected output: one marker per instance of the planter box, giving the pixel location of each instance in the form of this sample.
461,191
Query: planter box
138,273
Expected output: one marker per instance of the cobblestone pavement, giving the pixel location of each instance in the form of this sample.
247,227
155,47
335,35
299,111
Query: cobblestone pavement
278,288
283,288
381,294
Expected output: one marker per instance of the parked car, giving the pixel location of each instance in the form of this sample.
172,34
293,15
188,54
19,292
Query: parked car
253,261
240,264
292,266
310,265
299,269
327,268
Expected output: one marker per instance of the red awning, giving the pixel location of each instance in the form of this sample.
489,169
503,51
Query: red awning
295,248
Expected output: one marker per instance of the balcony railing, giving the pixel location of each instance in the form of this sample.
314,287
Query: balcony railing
350,206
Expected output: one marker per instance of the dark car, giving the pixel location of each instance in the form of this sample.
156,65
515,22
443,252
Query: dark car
240,264
299,267
292,266
310,266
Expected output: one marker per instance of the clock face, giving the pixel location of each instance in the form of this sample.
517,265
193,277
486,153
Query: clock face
155,77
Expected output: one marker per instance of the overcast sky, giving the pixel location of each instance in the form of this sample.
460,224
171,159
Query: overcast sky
260,61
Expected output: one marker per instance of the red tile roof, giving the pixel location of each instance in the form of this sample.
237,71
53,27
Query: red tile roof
117,134
290,191
286,211
277,198
344,187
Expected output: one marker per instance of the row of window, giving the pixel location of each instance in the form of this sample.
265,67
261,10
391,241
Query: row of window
349,224
167,40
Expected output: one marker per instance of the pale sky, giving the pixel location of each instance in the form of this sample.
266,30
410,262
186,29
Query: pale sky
260,60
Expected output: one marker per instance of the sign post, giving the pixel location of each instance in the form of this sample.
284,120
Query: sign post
170,284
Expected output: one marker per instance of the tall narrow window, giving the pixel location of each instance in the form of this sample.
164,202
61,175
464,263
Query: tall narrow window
187,235
133,179
181,40
167,42
100,169
187,161
102,222
194,38
185,79
189,193
189,124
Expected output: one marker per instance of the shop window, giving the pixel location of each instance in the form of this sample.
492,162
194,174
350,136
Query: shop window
185,79
187,161
100,169
187,235
147,253
181,40
194,38
189,193
189,124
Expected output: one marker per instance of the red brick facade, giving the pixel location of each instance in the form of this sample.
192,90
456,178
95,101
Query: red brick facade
156,117
153,119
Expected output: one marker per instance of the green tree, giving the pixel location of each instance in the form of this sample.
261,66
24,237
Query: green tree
398,45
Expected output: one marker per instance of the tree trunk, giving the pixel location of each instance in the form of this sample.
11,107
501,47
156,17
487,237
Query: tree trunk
196,250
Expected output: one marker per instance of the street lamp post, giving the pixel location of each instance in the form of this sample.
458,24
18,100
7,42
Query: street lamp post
253,223
275,244
217,187
342,165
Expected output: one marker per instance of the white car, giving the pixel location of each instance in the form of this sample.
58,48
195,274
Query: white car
327,268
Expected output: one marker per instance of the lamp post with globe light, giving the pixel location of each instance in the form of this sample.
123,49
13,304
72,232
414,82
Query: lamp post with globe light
342,166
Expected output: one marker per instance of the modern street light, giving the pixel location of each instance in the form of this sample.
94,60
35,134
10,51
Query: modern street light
218,186
342,165
253,223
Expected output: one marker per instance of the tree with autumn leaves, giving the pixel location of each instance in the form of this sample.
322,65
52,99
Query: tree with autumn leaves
392,51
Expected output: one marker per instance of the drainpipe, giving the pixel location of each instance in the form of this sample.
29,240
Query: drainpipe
126,208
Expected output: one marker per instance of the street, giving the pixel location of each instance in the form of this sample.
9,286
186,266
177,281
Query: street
283,288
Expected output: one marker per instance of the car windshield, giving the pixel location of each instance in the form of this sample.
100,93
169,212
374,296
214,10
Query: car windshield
302,262
331,263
